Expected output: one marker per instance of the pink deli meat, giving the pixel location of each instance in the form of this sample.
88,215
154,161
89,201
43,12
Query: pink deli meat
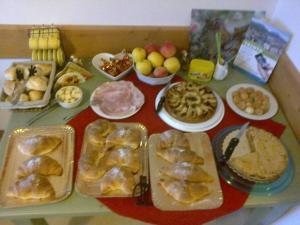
118,98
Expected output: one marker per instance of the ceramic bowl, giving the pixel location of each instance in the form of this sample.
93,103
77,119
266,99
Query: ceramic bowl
153,80
69,96
96,61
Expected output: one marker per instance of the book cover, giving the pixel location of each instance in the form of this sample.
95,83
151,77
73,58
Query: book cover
261,49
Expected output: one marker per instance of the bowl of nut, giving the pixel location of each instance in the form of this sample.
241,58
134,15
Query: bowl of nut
69,96
251,101
112,66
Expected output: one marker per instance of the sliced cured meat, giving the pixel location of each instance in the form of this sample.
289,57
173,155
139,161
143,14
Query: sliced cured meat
117,98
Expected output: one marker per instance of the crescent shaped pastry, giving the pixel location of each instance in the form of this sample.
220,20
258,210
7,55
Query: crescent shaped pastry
184,192
117,179
125,136
123,156
43,165
187,171
33,187
38,145
174,155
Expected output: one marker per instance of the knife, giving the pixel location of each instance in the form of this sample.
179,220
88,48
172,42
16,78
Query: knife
163,97
234,142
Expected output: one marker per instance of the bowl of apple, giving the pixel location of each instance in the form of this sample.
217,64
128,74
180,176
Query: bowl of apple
154,65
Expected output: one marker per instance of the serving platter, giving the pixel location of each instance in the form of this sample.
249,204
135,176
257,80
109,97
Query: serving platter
192,127
273,103
91,188
13,158
200,144
237,181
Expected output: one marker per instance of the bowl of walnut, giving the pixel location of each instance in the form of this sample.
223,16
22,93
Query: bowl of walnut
251,101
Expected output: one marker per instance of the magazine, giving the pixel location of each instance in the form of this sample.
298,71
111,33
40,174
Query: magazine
261,49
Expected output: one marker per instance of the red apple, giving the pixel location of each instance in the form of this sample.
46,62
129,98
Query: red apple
151,48
168,49
160,72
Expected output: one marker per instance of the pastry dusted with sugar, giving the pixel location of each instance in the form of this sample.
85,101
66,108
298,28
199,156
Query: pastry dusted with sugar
43,165
173,138
174,155
125,136
123,156
33,187
89,166
38,145
99,130
186,171
184,192
117,179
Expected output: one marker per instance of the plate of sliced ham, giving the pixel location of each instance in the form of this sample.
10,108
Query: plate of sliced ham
116,100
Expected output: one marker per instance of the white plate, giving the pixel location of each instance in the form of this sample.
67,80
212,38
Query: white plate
273,103
99,112
192,127
96,61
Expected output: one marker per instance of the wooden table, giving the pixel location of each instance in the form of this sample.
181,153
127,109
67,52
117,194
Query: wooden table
77,205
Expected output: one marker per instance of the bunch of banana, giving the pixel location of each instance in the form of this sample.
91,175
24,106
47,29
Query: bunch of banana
45,45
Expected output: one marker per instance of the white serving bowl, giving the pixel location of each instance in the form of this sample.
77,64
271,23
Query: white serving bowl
69,96
153,80
96,61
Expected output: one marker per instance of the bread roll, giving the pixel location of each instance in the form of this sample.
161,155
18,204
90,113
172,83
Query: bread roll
10,73
43,69
24,98
35,95
8,87
38,83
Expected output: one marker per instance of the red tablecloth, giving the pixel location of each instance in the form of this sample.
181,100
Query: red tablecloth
233,198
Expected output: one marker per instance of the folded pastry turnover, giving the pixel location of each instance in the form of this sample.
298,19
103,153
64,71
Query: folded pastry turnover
33,187
186,171
124,136
43,165
117,179
184,192
174,155
173,138
123,156
99,130
89,166
38,145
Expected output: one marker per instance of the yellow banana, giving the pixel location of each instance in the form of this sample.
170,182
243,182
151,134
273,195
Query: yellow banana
50,55
60,57
34,55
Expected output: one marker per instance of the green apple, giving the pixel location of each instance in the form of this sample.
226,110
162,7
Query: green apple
144,67
172,64
138,54
156,59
